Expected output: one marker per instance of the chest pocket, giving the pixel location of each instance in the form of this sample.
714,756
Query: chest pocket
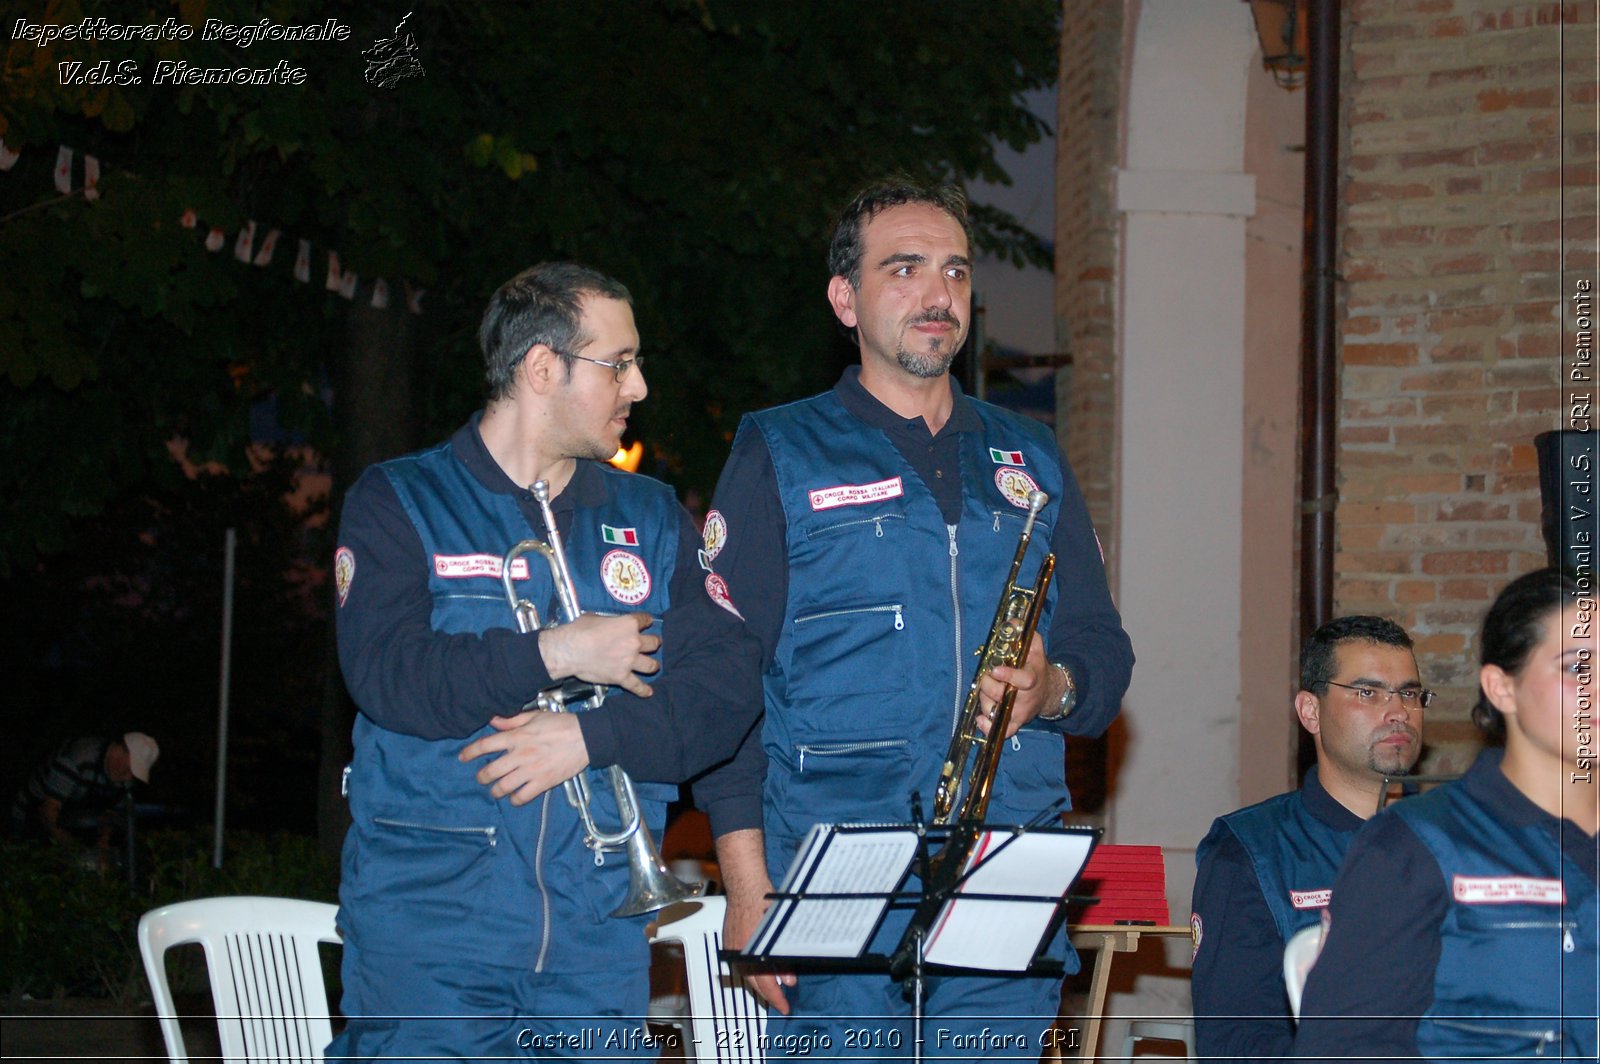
473,606
1524,944
855,638
856,647
1032,775
1007,524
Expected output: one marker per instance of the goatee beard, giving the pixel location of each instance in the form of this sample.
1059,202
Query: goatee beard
1400,766
936,362
926,366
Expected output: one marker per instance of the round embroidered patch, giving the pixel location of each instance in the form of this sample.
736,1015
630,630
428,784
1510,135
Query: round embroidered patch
344,572
625,577
717,589
1015,485
1195,932
716,533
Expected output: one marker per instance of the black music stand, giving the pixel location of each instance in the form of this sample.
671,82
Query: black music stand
1008,896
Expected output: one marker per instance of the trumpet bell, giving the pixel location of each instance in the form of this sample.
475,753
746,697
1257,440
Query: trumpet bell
651,885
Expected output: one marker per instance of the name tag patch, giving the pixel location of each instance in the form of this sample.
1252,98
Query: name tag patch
1310,899
463,566
856,494
1502,890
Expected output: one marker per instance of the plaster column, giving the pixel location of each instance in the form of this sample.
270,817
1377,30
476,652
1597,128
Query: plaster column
1184,200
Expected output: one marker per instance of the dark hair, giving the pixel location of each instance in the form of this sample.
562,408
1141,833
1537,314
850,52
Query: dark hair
540,305
1318,658
847,246
1513,626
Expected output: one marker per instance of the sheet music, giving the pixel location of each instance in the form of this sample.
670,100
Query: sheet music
831,861
1004,935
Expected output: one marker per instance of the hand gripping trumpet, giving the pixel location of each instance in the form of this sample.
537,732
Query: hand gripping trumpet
1015,620
650,885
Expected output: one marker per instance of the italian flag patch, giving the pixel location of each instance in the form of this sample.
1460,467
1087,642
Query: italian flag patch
626,537
1006,457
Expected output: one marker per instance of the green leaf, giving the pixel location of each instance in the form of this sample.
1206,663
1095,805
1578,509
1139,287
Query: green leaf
480,149
509,159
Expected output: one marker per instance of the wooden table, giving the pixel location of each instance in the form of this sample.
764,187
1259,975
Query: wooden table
1107,940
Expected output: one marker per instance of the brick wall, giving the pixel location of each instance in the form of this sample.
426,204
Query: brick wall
1452,250
1087,154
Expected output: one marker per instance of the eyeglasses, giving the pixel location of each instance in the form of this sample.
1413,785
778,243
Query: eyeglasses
1369,695
619,369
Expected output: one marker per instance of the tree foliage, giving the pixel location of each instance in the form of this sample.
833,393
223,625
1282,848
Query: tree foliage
123,634
696,149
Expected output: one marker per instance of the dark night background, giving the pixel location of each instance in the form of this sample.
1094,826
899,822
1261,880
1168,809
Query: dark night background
696,149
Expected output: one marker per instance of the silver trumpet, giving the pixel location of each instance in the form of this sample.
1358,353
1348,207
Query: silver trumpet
650,885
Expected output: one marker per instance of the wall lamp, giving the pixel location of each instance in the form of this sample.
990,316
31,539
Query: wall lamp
1281,26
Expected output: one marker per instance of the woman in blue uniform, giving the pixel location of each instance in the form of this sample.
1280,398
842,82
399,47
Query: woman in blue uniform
1463,923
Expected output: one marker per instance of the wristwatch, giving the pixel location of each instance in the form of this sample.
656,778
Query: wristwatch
1069,694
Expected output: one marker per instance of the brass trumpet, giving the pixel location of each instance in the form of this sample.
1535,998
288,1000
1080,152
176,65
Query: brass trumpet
650,885
1015,620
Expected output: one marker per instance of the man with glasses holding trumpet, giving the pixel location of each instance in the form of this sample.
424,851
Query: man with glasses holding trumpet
1267,870
538,653
867,533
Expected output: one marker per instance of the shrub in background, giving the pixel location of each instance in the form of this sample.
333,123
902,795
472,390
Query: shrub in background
70,930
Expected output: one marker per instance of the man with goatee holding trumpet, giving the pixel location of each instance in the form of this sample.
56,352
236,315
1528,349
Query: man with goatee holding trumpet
867,534
490,905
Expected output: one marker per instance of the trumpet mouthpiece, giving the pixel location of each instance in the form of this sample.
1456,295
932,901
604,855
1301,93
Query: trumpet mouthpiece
1036,501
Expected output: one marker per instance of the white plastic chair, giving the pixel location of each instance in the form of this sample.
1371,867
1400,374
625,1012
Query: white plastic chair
726,1021
266,975
1177,1029
1298,957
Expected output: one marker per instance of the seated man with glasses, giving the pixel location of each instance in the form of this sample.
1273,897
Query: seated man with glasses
1267,870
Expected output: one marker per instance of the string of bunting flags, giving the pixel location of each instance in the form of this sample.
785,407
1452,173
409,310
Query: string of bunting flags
245,249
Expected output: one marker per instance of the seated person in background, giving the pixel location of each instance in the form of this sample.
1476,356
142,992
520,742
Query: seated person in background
83,781
1463,923
1266,871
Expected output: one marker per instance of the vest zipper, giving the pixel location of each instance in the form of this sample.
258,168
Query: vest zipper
488,833
538,877
1542,1039
955,602
834,749
1567,945
875,521
1000,515
896,608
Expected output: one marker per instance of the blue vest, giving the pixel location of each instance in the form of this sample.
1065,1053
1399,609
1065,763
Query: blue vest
887,609
433,861
1295,855
1516,972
